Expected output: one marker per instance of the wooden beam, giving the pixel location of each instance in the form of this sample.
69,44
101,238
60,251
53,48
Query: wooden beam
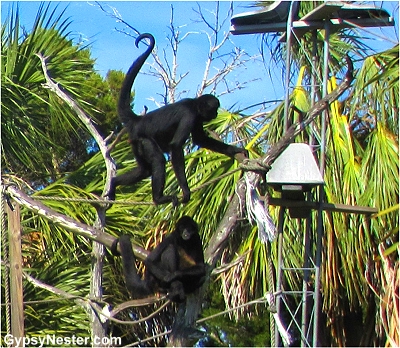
15,259
300,27
335,207
311,21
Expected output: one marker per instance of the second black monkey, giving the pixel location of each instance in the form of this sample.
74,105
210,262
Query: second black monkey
165,130
175,267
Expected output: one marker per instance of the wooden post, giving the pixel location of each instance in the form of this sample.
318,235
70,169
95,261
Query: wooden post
17,307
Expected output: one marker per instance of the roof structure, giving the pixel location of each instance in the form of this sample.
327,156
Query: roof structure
273,18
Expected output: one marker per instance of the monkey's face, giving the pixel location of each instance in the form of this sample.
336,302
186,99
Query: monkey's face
186,227
186,234
187,231
209,114
208,106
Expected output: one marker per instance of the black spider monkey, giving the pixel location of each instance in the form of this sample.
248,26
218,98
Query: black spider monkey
175,267
165,130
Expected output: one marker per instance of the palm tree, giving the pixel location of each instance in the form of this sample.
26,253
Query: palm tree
32,118
41,139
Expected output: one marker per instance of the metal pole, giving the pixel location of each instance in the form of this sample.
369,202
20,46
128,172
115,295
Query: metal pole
305,318
320,227
285,127
314,80
279,272
287,72
324,93
318,258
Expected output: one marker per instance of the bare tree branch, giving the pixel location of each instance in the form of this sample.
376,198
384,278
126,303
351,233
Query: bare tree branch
117,16
39,284
85,119
66,222
165,67
89,305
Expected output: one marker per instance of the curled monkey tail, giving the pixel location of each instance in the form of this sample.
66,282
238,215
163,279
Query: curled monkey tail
124,108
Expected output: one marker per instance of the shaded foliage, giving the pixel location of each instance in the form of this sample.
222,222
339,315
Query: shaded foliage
53,138
222,331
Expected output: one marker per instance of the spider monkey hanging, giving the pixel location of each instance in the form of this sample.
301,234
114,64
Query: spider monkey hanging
165,130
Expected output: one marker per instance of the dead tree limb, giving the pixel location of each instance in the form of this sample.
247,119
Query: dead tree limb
229,221
98,328
309,116
65,221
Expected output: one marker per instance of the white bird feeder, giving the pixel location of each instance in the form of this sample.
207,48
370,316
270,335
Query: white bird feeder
293,173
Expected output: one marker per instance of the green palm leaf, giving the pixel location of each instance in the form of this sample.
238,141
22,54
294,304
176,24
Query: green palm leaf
33,119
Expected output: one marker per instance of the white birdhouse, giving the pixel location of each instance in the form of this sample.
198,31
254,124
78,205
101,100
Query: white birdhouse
294,172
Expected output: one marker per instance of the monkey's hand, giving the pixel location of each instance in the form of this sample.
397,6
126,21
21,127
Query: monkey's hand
186,197
170,277
241,156
110,194
176,292
114,247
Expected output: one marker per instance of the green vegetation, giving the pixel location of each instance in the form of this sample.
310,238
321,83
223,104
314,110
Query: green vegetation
48,152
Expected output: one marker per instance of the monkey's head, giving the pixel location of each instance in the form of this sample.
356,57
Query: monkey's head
186,227
207,107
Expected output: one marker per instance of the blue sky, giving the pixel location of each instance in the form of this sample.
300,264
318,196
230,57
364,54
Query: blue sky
114,50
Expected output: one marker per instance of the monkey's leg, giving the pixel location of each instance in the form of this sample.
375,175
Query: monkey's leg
135,175
178,163
155,158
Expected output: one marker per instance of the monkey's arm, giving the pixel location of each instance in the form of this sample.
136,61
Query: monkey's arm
163,260
182,133
191,263
197,271
201,139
